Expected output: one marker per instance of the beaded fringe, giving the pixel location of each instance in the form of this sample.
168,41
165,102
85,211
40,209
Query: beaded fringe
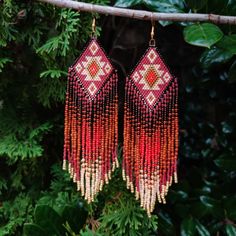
91,135
150,145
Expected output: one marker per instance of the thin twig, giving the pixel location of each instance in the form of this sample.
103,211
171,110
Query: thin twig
143,15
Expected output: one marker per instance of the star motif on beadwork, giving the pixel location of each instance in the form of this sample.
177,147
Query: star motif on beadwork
152,55
151,77
93,47
93,68
151,98
92,88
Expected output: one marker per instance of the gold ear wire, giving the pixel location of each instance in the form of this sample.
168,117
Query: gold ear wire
94,27
152,42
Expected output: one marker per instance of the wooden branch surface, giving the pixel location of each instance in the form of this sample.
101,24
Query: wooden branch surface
143,15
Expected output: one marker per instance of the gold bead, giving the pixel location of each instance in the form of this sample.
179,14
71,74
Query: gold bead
175,178
64,165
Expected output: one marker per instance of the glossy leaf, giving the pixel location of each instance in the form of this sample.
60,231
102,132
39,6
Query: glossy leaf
203,35
202,191
75,216
49,220
178,196
188,227
165,224
33,229
124,3
227,128
3,62
182,210
230,207
231,7
228,43
201,229
196,4
214,56
165,5
213,205
232,73
218,7
226,163
199,210
156,6
208,201
230,230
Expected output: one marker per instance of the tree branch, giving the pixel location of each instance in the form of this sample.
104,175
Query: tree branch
143,15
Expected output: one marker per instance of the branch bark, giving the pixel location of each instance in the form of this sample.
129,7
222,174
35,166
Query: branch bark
143,15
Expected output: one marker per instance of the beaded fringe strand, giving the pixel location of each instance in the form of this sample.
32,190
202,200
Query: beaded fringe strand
150,136
91,135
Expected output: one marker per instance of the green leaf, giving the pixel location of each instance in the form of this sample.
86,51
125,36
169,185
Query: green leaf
4,61
174,6
231,8
228,43
126,4
232,73
178,196
230,207
88,232
230,230
181,210
165,224
199,210
218,7
75,216
53,73
38,132
201,229
214,56
196,4
208,201
165,5
214,206
49,220
3,184
227,128
51,90
51,45
203,35
168,6
3,42
226,163
188,227
33,229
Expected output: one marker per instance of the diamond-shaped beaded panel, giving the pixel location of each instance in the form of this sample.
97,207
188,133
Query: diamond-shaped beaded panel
93,68
151,77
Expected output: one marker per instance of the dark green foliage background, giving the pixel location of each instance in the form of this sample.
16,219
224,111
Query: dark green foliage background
37,44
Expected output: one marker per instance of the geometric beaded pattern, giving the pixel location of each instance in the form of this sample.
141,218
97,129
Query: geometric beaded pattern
151,77
93,68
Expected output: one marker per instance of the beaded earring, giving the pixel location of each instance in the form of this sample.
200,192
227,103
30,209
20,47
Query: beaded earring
150,129
91,120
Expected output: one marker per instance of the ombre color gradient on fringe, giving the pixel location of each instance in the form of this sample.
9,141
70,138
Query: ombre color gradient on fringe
91,121
150,130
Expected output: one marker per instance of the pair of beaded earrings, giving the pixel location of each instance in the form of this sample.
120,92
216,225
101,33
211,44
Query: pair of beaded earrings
150,132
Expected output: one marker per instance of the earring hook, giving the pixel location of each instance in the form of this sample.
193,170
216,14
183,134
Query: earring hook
94,27
152,42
